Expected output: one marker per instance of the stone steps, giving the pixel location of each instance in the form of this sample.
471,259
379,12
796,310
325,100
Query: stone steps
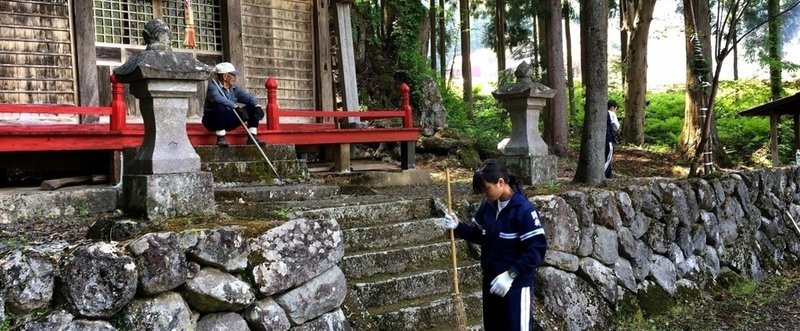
399,260
392,235
429,313
267,193
255,172
238,165
371,214
235,153
396,288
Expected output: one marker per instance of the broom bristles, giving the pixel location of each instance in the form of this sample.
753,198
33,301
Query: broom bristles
458,312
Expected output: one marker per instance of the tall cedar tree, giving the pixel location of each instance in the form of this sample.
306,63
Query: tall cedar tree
466,65
568,14
556,128
636,17
594,54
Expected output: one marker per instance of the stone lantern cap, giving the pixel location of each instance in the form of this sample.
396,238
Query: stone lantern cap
524,87
158,61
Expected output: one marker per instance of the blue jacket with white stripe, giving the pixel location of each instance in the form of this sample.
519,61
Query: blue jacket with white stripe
513,241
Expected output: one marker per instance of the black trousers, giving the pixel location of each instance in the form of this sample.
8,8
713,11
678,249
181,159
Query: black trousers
224,118
609,155
509,313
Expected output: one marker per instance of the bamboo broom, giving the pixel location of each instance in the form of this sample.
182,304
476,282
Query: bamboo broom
458,301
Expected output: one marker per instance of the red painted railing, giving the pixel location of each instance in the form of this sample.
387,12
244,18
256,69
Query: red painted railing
116,111
274,113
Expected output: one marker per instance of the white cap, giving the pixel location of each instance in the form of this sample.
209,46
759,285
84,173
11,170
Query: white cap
226,68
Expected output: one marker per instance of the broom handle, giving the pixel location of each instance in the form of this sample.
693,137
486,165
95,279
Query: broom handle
452,234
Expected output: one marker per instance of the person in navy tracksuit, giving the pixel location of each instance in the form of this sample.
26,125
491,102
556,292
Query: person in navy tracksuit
513,244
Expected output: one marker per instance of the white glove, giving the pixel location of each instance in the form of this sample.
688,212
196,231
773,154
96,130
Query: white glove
449,222
501,284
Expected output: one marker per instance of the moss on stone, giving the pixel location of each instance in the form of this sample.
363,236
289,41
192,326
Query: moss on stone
252,227
655,301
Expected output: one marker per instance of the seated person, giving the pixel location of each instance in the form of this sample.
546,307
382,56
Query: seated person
221,106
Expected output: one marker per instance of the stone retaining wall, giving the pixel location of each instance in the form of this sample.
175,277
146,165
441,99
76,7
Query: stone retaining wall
647,244
215,279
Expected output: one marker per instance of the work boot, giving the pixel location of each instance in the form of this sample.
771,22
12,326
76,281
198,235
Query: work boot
254,141
221,142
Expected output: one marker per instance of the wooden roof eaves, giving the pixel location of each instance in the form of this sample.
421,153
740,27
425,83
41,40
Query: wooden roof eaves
785,106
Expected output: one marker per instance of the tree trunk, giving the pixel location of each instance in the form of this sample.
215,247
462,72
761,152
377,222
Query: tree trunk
570,79
535,63
442,38
466,66
557,114
774,49
637,20
691,131
624,7
500,31
594,54
385,20
735,9
432,14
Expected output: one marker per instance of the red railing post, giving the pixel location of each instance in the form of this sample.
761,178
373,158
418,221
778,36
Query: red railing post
273,120
118,107
405,105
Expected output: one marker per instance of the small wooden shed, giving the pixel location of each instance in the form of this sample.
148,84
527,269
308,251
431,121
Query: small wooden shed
786,106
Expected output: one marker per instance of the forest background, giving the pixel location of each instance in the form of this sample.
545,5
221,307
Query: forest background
394,37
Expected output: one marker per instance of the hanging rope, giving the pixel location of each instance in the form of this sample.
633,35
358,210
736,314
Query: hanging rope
188,17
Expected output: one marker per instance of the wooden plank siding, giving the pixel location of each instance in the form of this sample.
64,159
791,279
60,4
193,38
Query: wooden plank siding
278,41
36,53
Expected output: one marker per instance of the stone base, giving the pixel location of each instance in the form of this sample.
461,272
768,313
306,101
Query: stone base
533,169
168,195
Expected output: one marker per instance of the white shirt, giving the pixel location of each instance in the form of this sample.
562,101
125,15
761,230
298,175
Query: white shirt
614,120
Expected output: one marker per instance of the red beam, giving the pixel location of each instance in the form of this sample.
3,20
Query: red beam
54,109
340,136
339,114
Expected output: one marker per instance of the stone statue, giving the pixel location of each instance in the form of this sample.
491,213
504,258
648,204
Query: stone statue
157,36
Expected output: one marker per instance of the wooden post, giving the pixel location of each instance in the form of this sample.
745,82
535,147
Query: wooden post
773,138
118,107
405,105
796,132
273,118
347,61
341,162
86,57
407,148
322,58
232,48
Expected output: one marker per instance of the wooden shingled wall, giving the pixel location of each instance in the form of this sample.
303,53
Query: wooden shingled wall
278,40
36,54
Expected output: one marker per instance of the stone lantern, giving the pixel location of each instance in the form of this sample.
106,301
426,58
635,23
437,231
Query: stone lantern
526,153
164,178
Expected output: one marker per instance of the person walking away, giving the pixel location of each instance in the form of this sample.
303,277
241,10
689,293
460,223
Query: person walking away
612,128
513,244
223,97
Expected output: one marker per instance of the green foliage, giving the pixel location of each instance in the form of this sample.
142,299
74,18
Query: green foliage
412,66
490,122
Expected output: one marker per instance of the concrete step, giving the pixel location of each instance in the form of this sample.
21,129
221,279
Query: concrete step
266,193
19,205
236,153
255,172
391,235
371,214
384,292
429,313
399,260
